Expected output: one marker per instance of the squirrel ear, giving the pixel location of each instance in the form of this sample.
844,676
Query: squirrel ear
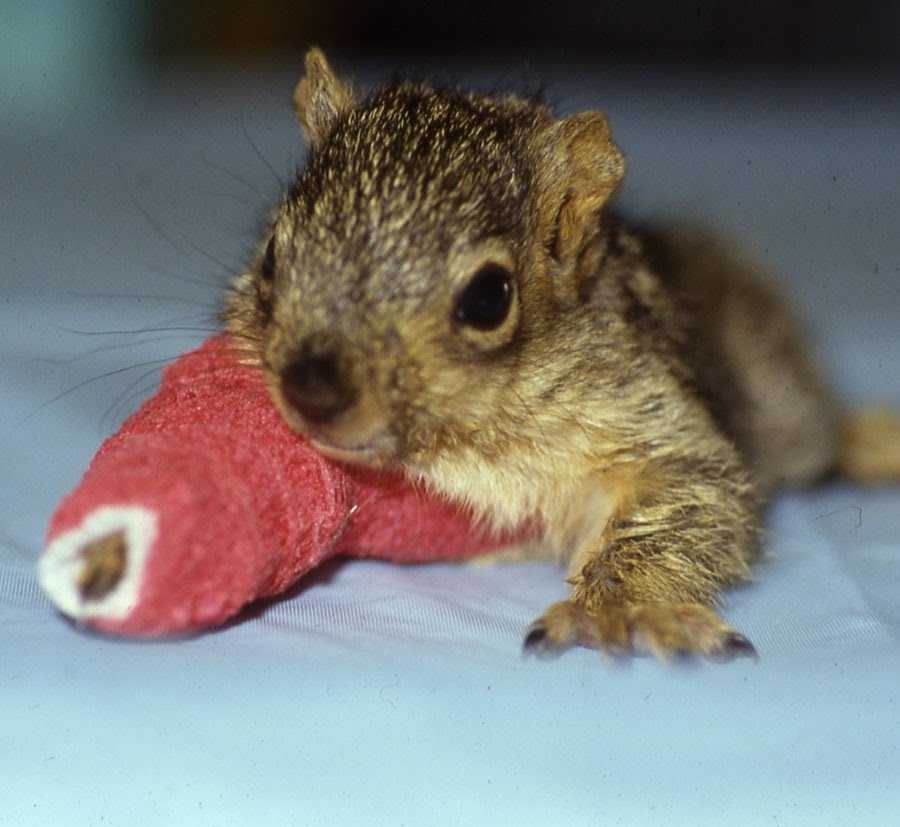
584,167
319,97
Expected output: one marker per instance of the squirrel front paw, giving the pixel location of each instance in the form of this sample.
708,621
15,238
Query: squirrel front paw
665,630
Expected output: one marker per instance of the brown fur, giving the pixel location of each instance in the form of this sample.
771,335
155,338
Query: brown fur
641,398
104,565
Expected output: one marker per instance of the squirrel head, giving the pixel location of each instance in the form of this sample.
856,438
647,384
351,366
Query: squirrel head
423,265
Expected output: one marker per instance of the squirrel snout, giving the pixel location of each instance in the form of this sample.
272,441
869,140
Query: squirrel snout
316,387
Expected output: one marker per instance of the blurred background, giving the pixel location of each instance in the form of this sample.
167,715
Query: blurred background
66,42
818,31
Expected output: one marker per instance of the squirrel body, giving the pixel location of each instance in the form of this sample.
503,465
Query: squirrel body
445,291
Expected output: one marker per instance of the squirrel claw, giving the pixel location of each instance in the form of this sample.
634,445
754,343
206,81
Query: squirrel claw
539,643
735,645
665,630
535,638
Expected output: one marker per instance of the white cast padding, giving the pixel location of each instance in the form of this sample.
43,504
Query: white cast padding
62,562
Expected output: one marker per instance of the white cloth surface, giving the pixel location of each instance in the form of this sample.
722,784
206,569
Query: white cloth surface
379,694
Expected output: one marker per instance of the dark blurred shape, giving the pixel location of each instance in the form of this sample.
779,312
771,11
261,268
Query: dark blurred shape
827,32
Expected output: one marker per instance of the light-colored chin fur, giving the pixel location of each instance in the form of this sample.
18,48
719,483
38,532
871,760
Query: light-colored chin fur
572,504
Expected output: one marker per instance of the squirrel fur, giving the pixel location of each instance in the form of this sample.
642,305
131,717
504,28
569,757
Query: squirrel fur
445,291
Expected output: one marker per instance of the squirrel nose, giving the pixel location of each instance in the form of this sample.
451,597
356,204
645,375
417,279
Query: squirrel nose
313,385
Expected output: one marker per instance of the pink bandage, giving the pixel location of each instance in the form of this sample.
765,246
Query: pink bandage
205,500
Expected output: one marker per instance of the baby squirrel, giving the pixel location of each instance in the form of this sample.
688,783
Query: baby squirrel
445,292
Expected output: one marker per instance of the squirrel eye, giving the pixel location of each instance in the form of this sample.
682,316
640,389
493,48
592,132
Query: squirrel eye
268,265
485,302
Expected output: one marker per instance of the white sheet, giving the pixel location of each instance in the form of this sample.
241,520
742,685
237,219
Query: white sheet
379,694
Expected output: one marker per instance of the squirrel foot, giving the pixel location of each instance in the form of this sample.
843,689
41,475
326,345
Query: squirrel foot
665,630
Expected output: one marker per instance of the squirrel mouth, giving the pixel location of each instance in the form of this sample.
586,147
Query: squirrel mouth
376,452
375,449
